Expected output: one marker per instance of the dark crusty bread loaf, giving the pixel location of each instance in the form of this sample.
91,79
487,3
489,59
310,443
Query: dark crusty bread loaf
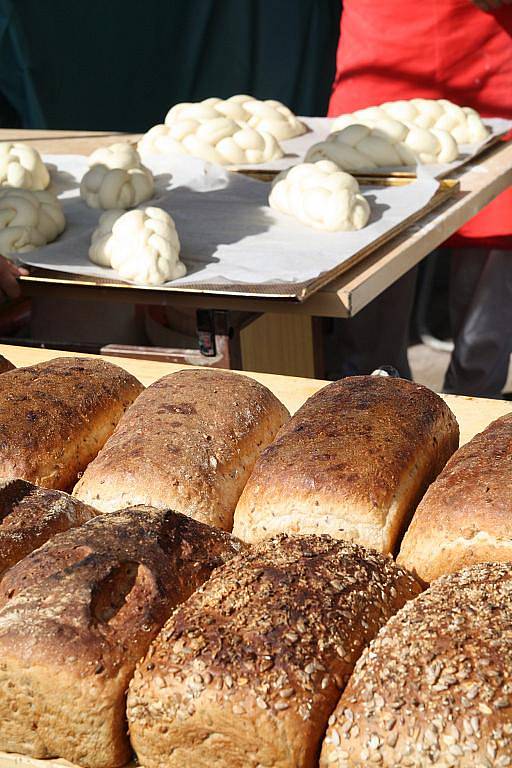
247,671
55,417
5,365
466,515
435,687
29,516
75,617
188,443
353,462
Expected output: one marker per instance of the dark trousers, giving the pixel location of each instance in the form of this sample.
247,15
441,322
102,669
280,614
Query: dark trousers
377,335
481,317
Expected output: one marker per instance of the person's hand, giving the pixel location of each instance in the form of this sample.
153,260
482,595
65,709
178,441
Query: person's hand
491,5
9,274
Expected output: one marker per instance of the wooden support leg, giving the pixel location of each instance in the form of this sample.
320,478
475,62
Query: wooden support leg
283,344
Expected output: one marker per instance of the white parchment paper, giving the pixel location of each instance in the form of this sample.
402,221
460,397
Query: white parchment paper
229,236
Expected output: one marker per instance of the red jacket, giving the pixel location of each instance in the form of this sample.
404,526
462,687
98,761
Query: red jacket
397,49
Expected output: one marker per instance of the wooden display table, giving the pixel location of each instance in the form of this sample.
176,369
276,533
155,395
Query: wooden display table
282,338
473,415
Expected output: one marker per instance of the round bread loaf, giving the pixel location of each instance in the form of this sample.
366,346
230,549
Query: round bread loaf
5,365
246,673
353,462
435,687
75,617
29,516
465,516
188,444
55,417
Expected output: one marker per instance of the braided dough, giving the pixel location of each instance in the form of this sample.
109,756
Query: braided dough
464,124
321,196
390,143
119,155
104,187
142,246
220,140
269,115
28,219
100,251
21,166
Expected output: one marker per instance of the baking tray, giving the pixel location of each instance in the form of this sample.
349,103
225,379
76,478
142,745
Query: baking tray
376,173
286,291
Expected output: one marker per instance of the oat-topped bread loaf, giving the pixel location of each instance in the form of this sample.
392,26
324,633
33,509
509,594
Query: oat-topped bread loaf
189,443
353,462
29,516
466,515
75,617
435,686
247,671
55,417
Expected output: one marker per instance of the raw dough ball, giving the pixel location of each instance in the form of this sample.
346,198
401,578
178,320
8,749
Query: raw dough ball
320,195
464,124
220,140
21,167
101,241
360,147
270,116
120,155
28,219
106,188
143,246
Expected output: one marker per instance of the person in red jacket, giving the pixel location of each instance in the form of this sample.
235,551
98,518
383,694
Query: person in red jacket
459,50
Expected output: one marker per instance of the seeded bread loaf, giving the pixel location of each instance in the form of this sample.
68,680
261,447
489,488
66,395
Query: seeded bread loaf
75,617
55,417
29,516
466,515
247,671
189,443
435,687
353,462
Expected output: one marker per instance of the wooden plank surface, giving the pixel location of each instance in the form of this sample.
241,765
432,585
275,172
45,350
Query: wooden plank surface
472,413
480,182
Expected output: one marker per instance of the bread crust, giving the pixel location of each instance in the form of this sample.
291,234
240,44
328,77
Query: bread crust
189,443
435,686
353,462
77,614
466,515
30,516
6,365
55,417
247,671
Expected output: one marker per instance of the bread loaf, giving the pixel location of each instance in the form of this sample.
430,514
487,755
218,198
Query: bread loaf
55,417
247,671
5,365
77,614
466,515
189,443
353,462
29,516
435,687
